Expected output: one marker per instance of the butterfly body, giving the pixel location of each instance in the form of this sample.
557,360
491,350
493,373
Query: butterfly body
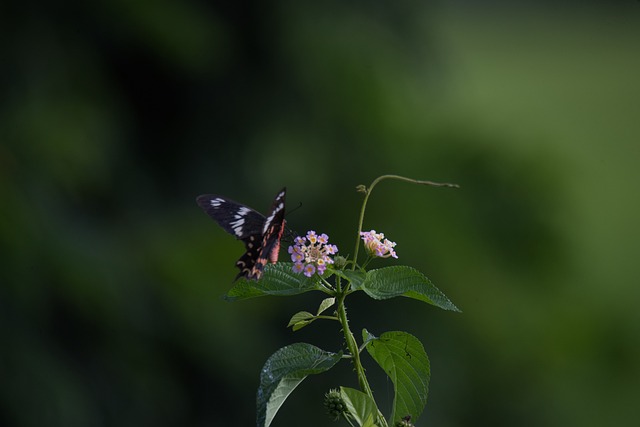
261,235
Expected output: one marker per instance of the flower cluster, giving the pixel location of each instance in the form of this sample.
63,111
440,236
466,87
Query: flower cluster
376,246
310,254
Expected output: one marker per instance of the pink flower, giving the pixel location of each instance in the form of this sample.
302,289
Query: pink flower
377,245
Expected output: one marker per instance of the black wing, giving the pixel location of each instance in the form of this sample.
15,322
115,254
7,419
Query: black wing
260,235
271,234
237,219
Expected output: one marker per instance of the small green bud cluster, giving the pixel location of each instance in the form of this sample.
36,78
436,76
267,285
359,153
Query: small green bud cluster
405,422
334,404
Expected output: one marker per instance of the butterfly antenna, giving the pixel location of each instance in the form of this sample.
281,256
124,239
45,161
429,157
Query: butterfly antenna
290,234
294,209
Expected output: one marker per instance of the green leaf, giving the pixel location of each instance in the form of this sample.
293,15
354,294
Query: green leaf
325,304
300,325
355,277
284,371
404,360
389,282
360,406
301,319
278,279
368,336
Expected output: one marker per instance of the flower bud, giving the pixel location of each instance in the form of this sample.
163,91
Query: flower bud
334,404
340,262
405,422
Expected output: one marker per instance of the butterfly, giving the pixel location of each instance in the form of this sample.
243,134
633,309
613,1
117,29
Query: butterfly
261,235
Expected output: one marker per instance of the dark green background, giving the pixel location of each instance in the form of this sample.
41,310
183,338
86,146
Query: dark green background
115,115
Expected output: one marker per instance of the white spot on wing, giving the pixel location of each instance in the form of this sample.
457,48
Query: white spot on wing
242,212
216,202
237,225
269,219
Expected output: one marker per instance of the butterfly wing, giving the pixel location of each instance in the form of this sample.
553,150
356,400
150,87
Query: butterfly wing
240,221
271,234
260,235
237,219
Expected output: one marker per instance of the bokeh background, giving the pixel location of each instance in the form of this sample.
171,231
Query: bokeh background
115,115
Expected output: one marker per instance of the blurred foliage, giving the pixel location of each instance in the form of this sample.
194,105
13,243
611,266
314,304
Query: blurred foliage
115,115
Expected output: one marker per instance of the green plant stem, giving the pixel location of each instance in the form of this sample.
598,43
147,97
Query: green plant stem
327,317
349,421
366,198
352,346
